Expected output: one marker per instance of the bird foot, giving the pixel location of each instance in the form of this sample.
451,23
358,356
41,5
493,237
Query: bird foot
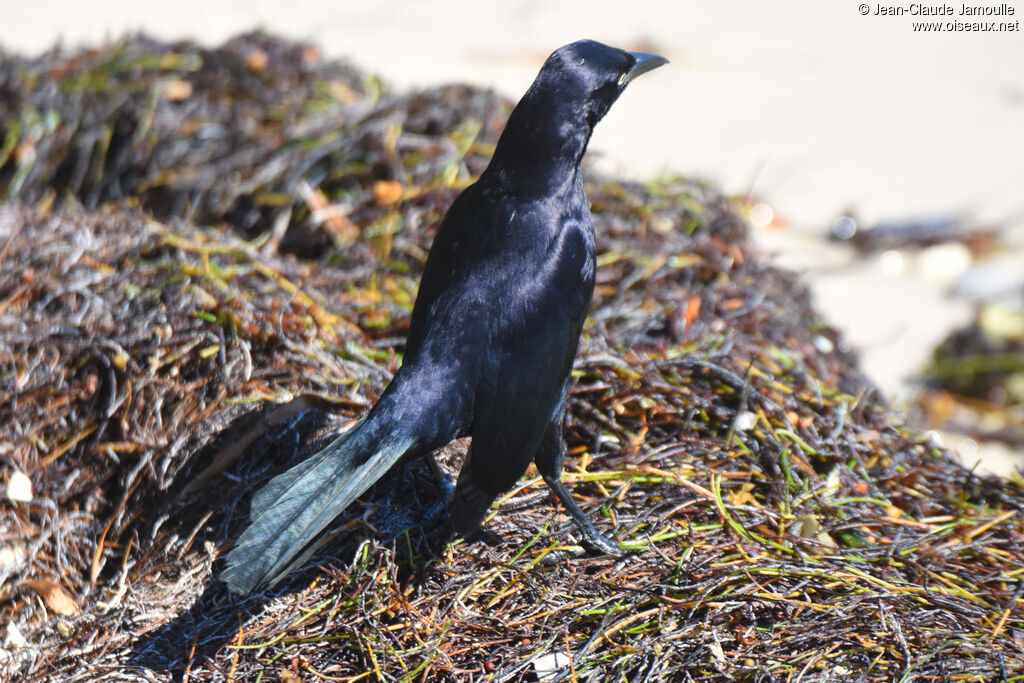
597,546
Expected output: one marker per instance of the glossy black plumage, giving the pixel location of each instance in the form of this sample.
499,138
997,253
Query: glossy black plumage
493,334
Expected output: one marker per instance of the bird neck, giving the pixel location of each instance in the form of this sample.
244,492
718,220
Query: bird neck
541,148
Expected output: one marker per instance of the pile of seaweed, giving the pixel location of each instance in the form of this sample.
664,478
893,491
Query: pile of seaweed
156,368
975,383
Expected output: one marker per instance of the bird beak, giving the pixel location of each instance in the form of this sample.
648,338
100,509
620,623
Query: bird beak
645,62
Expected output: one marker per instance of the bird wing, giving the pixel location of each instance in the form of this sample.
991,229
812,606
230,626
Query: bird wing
534,339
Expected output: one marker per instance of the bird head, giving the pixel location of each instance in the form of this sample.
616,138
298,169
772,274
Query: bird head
548,131
590,75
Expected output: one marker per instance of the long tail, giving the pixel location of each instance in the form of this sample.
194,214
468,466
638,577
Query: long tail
289,512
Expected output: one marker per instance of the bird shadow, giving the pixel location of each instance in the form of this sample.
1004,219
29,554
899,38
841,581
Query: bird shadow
407,509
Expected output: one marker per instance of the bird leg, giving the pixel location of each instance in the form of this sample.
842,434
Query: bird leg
593,541
443,480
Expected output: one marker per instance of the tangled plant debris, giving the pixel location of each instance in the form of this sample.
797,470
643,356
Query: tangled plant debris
786,525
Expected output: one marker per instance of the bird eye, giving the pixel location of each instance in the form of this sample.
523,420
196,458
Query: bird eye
582,60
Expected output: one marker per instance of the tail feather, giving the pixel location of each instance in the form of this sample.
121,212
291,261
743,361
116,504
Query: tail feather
289,512
264,499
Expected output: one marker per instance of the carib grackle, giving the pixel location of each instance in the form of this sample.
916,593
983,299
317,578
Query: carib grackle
494,330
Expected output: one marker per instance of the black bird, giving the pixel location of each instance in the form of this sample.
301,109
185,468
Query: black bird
494,330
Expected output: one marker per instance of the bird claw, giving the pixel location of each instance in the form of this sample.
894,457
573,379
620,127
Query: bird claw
598,546
564,553
595,547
